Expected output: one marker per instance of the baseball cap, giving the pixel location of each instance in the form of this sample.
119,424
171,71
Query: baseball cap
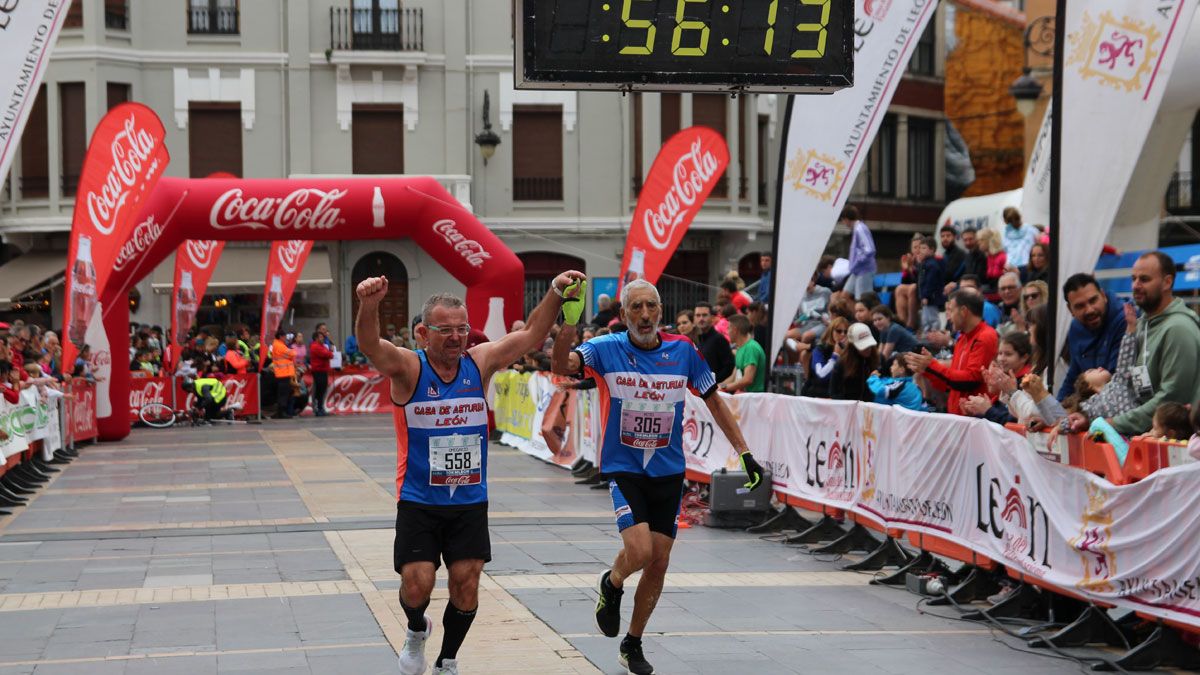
860,336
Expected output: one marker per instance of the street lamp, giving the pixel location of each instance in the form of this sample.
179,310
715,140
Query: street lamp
487,140
1039,39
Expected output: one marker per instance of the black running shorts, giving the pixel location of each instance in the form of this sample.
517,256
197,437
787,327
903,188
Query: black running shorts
641,499
432,534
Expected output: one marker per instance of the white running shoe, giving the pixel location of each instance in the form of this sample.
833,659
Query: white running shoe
448,667
412,654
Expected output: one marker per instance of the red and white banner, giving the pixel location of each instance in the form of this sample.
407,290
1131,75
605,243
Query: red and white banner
357,393
30,28
146,390
684,173
195,262
283,271
81,410
826,143
122,166
240,391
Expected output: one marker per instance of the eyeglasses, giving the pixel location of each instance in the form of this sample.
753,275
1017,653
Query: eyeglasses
460,331
839,331
1031,296
1009,288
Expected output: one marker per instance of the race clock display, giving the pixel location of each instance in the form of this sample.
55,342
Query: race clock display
795,46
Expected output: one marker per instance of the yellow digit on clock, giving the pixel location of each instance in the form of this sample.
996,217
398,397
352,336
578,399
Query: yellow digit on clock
819,28
638,23
681,25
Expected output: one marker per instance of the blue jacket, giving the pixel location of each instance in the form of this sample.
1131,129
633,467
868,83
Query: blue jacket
931,282
862,250
991,314
901,391
1094,350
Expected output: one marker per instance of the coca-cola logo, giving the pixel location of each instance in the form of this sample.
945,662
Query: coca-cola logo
291,252
471,250
81,410
692,173
153,391
305,208
201,252
355,394
235,395
101,359
130,152
140,240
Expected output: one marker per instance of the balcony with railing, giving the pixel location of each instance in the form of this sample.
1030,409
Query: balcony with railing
1181,194
213,20
528,189
371,29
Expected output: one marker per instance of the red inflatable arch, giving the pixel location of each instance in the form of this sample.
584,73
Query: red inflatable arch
265,210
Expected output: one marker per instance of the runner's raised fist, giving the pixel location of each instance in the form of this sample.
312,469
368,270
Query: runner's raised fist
372,289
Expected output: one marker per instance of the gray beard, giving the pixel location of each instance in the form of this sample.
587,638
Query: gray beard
648,341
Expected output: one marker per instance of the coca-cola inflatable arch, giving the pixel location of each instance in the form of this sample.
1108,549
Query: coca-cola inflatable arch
418,208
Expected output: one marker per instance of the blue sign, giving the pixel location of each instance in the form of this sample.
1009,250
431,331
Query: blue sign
602,286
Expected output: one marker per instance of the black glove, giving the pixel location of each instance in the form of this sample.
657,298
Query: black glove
753,469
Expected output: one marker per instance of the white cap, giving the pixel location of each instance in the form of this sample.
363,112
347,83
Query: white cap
860,336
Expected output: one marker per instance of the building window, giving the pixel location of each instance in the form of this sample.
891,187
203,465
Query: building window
922,61
74,18
709,110
377,140
213,17
637,144
764,147
116,14
35,151
684,283
72,102
537,153
214,139
540,269
881,160
670,116
921,146
117,93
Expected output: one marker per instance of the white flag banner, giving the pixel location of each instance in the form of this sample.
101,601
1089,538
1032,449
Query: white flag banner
827,140
28,29
1118,59
1035,195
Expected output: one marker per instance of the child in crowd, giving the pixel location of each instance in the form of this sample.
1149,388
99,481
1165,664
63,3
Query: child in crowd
1172,421
899,389
931,284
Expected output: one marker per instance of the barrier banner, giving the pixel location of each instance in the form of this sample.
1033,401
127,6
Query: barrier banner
125,157
514,409
195,262
146,390
533,394
26,421
354,393
558,423
240,390
1118,60
283,271
81,410
826,142
686,170
30,29
588,429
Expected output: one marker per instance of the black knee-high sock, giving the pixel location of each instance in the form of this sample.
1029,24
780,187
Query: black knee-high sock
416,615
455,624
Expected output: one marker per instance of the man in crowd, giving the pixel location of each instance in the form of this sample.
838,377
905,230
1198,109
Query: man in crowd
283,365
1097,326
1018,238
991,313
862,254
712,344
320,353
441,472
974,350
1009,287
974,260
764,282
729,293
210,395
931,284
604,311
750,361
953,257
757,313
647,373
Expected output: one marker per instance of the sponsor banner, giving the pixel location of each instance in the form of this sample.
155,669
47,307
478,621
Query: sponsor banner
684,173
1118,59
195,262
240,390
588,428
81,410
30,28
355,393
827,139
1035,192
531,406
513,406
146,390
283,271
25,421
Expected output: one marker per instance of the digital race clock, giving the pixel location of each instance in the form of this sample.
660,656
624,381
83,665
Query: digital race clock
797,46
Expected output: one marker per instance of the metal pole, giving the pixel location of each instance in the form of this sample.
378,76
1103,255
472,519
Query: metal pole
1053,228
771,349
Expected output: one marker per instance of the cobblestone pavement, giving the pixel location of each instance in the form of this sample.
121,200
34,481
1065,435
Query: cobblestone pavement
267,549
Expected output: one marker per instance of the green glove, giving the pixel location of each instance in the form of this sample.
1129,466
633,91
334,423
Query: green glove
572,307
753,469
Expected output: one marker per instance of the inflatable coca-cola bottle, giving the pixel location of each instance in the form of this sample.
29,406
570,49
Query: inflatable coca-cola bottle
83,292
274,314
185,307
494,327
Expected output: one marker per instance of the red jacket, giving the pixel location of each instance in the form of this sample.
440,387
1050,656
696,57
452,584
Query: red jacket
964,376
318,357
10,394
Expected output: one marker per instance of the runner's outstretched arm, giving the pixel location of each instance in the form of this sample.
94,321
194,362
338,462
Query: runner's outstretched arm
387,358
494,356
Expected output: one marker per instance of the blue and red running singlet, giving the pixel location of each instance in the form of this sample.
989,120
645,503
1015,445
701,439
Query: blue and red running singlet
641,400
441,439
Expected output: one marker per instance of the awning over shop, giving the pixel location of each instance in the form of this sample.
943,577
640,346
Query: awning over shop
32,272
245,270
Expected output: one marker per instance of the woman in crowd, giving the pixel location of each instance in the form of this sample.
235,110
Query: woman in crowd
993,247
685,324
894,338
1015,359
858,358
1033,294
1038,268
824,358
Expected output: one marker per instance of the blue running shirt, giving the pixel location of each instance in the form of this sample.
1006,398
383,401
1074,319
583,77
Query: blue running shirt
441,439
641,400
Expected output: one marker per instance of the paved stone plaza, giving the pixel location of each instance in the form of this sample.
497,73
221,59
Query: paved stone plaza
267,549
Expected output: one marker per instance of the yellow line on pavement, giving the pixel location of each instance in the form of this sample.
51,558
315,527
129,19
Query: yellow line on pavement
797,633
167,487
192,525
161,556
113,597
184,654
695,580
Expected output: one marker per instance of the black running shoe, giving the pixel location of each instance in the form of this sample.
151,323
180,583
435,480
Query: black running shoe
608,607
633,660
